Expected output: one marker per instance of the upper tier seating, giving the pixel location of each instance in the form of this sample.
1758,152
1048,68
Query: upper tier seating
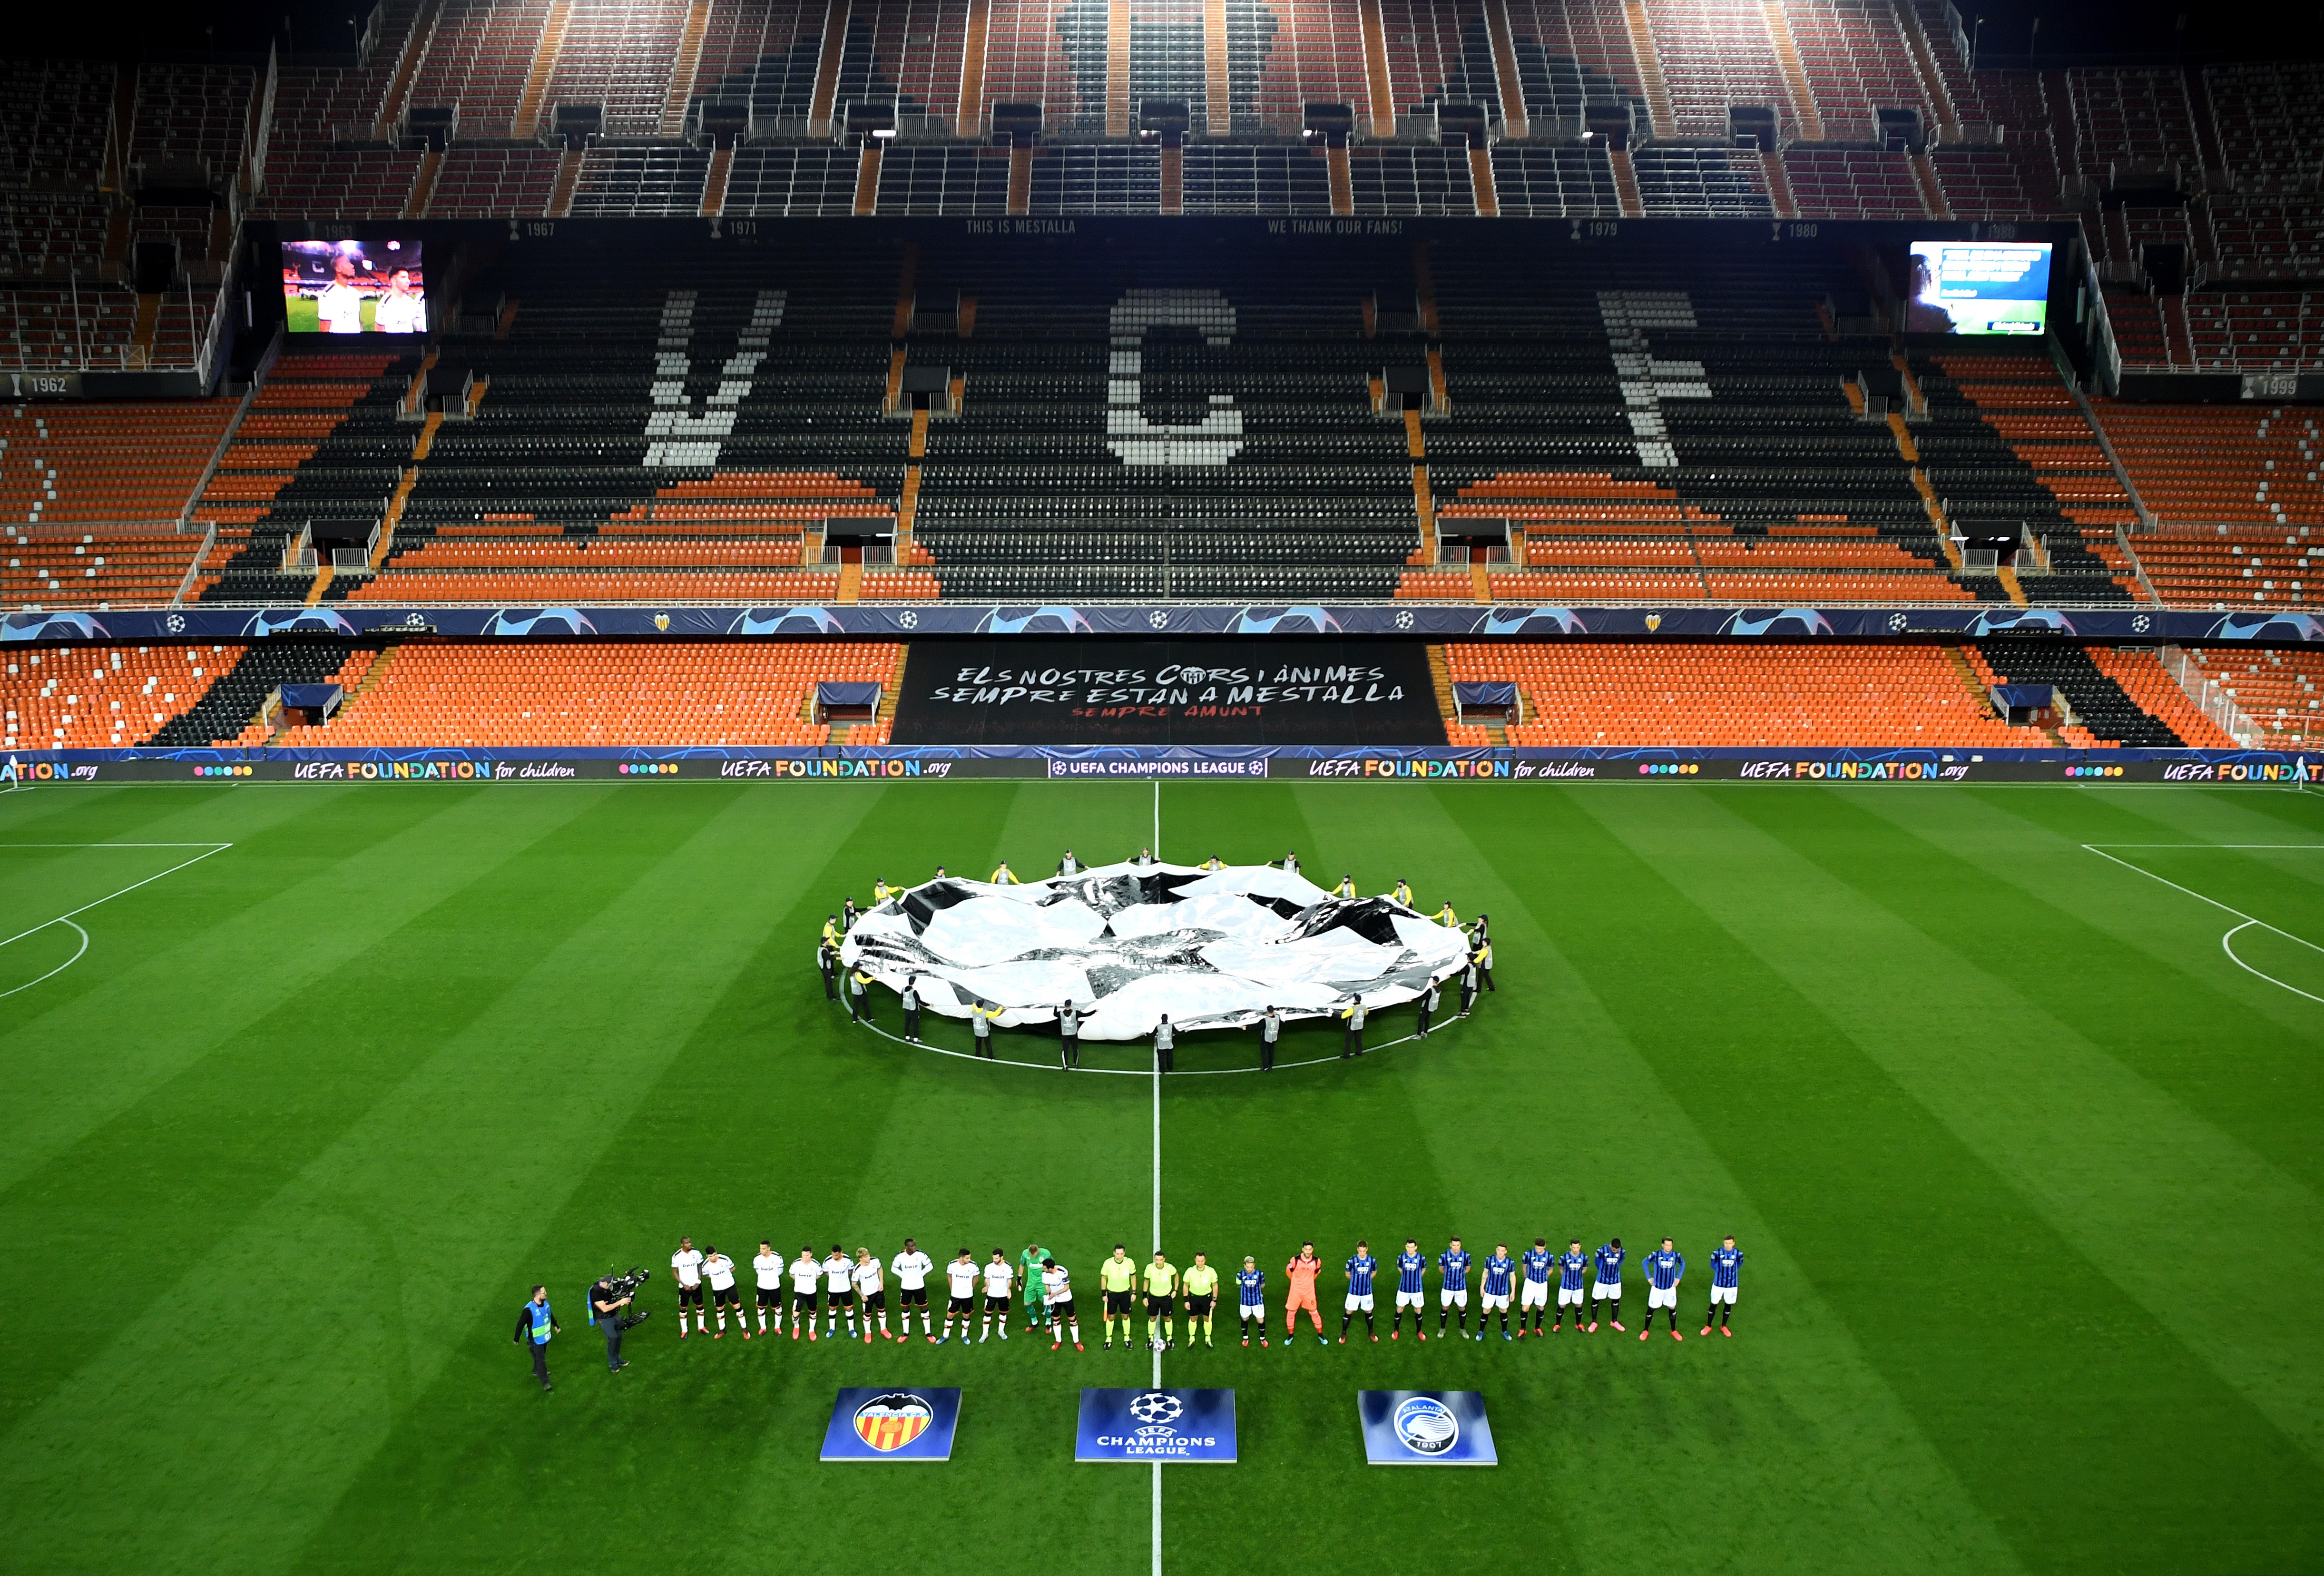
197,113
762,53
1986,183
2130,117
2249,331
90,497
1716,53
2266,114
2005,445
2267,237
102,697
322,444
1854,56
620,54
478,60
1701,182
1829,183
322,182
53,120
476,183
602,693
654,427
2238,464
1569,54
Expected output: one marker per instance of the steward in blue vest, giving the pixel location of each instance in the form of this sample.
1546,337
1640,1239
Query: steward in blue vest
534,1326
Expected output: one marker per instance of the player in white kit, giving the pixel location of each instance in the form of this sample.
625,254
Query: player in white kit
872,1290
912,1269
998,1276
719,1270
807,1271
767,1266
961,1277
838,1291
686,1264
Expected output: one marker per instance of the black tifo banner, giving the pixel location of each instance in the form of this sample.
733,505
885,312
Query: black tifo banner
1167,692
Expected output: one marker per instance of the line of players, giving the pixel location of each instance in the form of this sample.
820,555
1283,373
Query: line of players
856,1284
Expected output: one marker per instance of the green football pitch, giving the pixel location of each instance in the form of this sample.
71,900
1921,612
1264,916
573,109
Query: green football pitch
2023,1160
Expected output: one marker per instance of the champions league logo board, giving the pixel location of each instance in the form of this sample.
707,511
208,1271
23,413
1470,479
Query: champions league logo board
872,1424
1425,1428
1156,1425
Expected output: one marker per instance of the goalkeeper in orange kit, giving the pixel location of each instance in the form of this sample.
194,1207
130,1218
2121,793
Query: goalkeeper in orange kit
1302,1272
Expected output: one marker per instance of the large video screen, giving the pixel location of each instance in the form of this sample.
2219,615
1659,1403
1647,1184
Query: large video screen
354,287
1978,287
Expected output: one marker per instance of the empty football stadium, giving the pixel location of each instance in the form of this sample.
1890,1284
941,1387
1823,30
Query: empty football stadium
696,695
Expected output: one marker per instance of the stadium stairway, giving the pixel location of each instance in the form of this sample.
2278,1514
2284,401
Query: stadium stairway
2007,446
2105,711
228,711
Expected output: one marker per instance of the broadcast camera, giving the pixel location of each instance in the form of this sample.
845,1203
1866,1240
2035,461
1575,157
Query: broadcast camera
626,1286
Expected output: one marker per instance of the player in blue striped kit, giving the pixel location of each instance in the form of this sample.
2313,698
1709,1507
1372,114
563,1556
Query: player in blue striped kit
1571,1266
1664,1266
1453,1288
1726,1275
1534,1293
1411,1290
1608,1287
1250,1285
1500,1274
1362,1268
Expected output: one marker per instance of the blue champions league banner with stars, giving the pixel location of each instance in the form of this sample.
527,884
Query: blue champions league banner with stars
2260,625
1425,1428
1156,1425
873,1425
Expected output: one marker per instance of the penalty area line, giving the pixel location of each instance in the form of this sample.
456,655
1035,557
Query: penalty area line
68,917
2226,942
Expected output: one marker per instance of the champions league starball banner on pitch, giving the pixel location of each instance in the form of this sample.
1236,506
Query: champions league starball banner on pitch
873,1425
1425,1428
1156,1425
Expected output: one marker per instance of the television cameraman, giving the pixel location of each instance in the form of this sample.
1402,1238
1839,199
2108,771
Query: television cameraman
609,1300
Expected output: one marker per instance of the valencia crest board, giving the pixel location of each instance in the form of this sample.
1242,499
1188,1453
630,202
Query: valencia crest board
873,1423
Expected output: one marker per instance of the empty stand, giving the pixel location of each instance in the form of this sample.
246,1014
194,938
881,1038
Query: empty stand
322,444
1700,182
604,693
2207,464
476,183
2006,447
104,698
1715,54
2105,712
2266,114
2281,691
1831,183
90,497
240,679
618,54
1584,694
2130,117
2251,331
